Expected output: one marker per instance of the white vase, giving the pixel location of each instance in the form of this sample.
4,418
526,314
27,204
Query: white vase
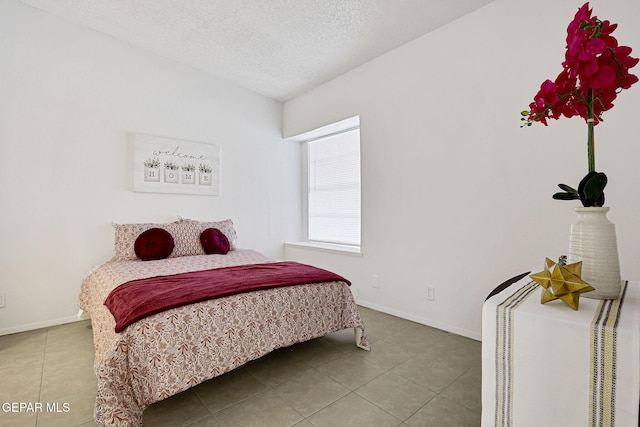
593,241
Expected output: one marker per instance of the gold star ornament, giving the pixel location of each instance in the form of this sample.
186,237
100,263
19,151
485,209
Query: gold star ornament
562,282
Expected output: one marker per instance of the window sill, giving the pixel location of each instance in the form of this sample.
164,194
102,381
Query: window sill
327,247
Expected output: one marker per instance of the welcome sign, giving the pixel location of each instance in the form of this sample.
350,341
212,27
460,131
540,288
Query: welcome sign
166,165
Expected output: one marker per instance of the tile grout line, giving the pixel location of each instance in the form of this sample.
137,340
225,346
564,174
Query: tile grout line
437,394
441,393
44,356
376,405
211,414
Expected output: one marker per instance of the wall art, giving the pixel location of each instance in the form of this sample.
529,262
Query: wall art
166,165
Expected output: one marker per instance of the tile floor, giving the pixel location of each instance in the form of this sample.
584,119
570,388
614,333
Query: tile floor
414,376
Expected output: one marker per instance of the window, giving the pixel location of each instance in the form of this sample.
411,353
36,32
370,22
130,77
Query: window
334,188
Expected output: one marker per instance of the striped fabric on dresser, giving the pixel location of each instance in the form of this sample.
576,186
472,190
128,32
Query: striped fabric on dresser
553,366
604,361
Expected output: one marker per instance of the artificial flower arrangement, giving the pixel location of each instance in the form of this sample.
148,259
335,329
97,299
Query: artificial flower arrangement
171,166
595,70
152,163
188,167
204,168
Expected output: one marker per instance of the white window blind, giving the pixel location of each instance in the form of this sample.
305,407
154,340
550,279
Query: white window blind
334,188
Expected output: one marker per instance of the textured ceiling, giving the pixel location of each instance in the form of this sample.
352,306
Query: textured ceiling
278,48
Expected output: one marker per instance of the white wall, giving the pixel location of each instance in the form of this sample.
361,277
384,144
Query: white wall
70,99
455,195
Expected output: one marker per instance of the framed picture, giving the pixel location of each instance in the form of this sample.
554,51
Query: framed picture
166,165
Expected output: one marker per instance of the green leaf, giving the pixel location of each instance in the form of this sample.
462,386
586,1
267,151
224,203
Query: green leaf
591,189
566,196
568,189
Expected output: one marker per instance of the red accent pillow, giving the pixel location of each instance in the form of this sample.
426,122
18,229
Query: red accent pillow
214,241
155,243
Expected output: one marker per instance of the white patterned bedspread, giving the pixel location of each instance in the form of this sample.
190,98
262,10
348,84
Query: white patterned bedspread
169,352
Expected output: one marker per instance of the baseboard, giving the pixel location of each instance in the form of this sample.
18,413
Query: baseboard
38,325
438,325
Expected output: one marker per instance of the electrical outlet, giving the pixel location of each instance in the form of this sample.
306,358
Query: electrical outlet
3,299
375,280
431,294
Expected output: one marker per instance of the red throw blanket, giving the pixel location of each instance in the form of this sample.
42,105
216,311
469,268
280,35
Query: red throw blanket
137,299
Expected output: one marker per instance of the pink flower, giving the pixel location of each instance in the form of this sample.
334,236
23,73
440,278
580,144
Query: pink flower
545,98
594,70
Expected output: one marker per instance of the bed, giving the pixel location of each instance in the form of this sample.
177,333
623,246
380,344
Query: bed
172,349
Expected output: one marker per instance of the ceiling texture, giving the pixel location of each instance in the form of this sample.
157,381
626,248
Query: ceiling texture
278,48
